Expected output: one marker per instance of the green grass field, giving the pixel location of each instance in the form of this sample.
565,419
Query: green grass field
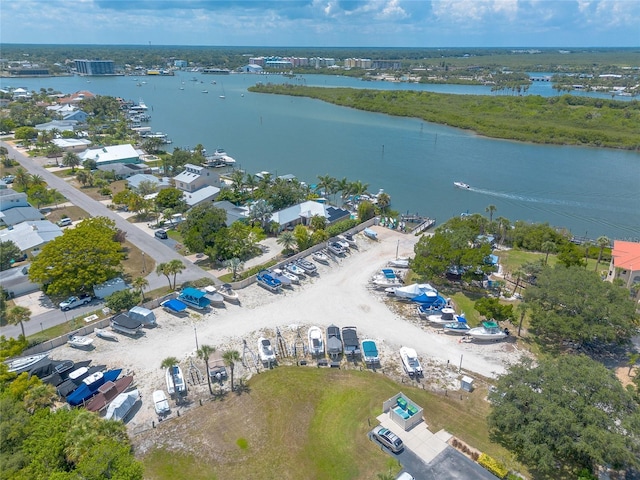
302,422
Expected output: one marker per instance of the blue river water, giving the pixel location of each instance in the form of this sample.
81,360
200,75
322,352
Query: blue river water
590,191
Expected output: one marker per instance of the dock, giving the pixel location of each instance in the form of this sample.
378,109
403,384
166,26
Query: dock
416,224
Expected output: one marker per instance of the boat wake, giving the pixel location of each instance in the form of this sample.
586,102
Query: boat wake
529,199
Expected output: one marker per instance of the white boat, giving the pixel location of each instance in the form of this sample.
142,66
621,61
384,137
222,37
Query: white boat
106,334
461,185
160,403
79,341
177,385
488,332
265,350
457,328
213,295
410,362
399,263
228,293
386,278
372,234
316,344
446,315
280,276
308,267
336,248
295,269
320,257
409,292
340,240
287,274
349,238
24,363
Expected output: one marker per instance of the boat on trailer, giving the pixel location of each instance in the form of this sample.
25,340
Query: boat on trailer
410,362
320,257
79,341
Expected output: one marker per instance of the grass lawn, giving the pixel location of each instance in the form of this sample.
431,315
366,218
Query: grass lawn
289,425
512,259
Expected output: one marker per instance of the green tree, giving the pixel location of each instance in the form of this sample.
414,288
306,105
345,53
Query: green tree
9,254
570,255
140,283
122,300
490,307
384,200
163,269
17,316
548,247
83,177
573,400
204,352
22,180
234,265
287,239
147,187
602,242
170,198
260,212
25,133
72,160
80,258
174,267
302,236
491,209
200,227
574,306
317,222
366,211
230,358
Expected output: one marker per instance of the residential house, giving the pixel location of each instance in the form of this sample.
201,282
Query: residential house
30,236
121,170
200,196
302,213
76,97
134,181
112,154
625,263
15,281
60,125
199,183
72,144
234,212
15,209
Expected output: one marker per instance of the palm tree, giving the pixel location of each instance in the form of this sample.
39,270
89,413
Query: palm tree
140,283
603,242
343,186
287,239
503,225
204,352
358,188
518,274
384,200
490,209
234,265
175,267
37,180
169,362
237,181
23,179
260,212
83,177
548,247
230,358
633,359
72,160
18,315
522,309
163,269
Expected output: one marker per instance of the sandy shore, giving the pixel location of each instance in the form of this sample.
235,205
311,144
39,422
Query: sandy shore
340,294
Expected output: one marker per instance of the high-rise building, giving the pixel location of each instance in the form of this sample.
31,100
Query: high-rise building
95,67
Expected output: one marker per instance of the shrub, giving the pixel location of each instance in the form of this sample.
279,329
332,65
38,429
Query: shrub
493,465
341,226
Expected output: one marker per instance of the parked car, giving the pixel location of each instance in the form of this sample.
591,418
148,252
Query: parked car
405,476
76,301
387,438
64,222
9,179
161,234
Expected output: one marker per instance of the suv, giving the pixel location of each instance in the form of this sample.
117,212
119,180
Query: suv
161,234
73,302
64,222
387,438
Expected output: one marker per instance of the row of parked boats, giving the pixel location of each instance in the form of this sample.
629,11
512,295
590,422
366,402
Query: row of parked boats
96,388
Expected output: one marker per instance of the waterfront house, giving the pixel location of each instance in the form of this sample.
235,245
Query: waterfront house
195,177
625,263
302,213
112,154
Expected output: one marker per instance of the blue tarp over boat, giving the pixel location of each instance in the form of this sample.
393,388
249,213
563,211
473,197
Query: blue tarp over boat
84,392
174,305
195,298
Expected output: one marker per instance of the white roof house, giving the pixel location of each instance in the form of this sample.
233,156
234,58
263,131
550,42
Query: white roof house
134,181
303,212
202,195
72,144
31,235
112,154
195,177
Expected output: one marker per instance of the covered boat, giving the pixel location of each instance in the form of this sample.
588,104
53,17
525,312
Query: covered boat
316,343
75,377
413,291
107,392
194,298
122,405
266,280
370,234
334,341
89,386
175,380
123,323
351,341
23,364
410,362
370,352
106,334
399,263
174,306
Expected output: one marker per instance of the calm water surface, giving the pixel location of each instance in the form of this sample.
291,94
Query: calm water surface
592,192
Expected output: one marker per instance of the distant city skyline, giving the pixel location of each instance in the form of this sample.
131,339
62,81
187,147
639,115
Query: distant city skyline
324,23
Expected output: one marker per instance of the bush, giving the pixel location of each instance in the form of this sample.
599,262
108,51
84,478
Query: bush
492,465
341,226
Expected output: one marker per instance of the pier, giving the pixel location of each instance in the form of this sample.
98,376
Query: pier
416,224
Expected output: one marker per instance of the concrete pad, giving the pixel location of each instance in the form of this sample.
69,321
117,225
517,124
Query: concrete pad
37,302
419,439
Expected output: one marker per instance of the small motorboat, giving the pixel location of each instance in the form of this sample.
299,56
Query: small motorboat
387,278
320,257
308,267
107,392
334,341
399,263
122,405
410,362
89,386
488,332
295,269
456,328
291,276
175,380
279,275
336,249
462,185
446,315
265,351
266,280
340,240
316,344
79,341
349,238
23,364
213,295
370,352
160,402
228,293
105,334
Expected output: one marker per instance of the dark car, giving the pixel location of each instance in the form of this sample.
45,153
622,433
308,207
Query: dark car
387,438
161,234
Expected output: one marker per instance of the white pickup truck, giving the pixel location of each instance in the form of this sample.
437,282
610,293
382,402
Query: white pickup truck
73,302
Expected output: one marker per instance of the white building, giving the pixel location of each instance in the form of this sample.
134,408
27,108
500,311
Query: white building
113,154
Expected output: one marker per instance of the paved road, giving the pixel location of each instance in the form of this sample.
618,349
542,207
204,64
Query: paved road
150,245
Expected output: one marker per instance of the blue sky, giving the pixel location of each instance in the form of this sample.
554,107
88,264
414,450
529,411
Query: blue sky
324,23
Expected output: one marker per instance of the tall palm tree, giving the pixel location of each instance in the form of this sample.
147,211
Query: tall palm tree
343,186
140,283
204,352
503,226
490,210
37,180
163,269
22,180
230,357
174,268
168,363
518,274
548,247
72,160
522,310
237,181
602,242
18,315
384,200
326,183
287,239
358,188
